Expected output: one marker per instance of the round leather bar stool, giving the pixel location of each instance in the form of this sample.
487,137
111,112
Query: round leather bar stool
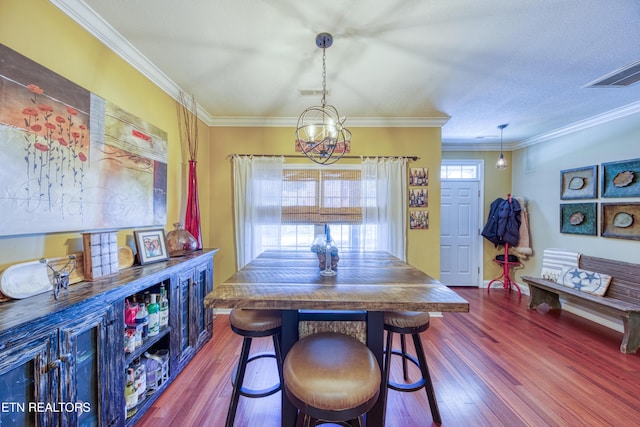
331,377
409,323
253,324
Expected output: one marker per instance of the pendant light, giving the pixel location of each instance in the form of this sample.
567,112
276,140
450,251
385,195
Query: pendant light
501,163
320,133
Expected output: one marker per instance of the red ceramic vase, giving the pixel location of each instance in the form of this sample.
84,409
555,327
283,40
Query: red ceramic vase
192,217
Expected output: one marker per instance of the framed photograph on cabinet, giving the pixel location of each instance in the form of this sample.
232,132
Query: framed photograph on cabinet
418,177
621,179
579,218
419,219
151,245
579,183
620,220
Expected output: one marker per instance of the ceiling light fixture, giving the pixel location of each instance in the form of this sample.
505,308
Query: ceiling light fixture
501,163
320,133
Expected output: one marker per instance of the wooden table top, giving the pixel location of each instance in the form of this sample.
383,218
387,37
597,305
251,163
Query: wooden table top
372,280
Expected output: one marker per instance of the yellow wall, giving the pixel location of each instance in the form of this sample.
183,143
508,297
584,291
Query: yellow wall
423,249
39,31
497,183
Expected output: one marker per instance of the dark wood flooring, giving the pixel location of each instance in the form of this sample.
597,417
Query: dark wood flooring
498,365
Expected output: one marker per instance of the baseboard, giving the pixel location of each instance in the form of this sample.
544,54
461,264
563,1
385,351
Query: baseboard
594,316
599,318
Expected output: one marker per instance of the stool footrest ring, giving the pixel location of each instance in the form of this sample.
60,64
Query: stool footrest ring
249,392
407,387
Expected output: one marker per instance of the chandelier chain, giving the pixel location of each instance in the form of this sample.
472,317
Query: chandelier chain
324,77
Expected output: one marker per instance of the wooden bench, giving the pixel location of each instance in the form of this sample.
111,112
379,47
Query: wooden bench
622,297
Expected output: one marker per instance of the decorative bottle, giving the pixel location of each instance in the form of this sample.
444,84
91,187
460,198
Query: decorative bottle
142,319
131,394
164,308
154,316
327,257
140,379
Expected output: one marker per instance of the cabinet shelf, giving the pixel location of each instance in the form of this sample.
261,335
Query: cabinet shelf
147,343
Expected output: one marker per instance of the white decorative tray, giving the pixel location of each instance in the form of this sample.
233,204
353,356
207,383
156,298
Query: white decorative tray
25,280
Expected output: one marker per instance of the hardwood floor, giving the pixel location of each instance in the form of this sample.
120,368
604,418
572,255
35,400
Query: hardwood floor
498,365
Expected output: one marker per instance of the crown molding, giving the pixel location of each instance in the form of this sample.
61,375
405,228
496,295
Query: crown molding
470,146
351,122
617,113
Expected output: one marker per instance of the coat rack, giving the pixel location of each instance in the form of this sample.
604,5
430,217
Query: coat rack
505,277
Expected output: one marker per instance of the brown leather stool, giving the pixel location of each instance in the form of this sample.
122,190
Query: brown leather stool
405,323
253,324
331,377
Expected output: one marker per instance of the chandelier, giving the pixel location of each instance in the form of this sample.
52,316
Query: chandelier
501,163
320,133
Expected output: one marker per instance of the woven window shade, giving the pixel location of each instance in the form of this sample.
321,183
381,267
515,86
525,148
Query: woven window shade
320,196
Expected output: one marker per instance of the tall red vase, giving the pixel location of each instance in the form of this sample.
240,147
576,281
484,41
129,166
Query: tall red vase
192,218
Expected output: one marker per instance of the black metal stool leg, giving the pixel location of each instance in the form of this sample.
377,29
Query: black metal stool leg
403,348
387,366
279,360
238,380
424,368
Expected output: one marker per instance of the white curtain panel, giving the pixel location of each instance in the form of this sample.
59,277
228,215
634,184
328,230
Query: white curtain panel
257,192
384,214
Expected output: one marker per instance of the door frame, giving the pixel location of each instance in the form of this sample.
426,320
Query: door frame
479,163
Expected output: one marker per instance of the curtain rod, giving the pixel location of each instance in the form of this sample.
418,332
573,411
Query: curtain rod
302,156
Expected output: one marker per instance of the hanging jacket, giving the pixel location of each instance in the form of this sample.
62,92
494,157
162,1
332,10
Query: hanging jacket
490,230
509,222
503,223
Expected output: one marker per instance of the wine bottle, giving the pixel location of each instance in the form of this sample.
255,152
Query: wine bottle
131,394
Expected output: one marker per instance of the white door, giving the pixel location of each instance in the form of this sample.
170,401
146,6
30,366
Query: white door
459,233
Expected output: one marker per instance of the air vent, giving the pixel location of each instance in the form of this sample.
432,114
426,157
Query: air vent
625,76
312,92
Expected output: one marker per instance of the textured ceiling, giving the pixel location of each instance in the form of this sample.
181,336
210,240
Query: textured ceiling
481,63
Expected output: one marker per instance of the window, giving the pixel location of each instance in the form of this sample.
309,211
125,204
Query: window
312,197
459,171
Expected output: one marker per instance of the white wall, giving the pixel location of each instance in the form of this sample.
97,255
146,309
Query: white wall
536,176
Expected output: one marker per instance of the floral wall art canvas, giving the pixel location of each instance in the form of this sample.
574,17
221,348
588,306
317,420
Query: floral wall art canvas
72,160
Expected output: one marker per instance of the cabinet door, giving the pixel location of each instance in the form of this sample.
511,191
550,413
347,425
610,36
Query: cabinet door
185,327
26,374
194,321
202,318
84,380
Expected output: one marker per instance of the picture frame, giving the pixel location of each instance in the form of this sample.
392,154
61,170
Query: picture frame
579,183
621,179
579,218
419,219
418,177
418,198
620,220
151,245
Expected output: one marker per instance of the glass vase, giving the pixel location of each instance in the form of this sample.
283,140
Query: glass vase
180,241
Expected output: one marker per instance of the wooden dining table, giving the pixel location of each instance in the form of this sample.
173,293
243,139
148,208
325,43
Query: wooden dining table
366,285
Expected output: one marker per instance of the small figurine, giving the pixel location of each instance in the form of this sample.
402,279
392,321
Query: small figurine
61,277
